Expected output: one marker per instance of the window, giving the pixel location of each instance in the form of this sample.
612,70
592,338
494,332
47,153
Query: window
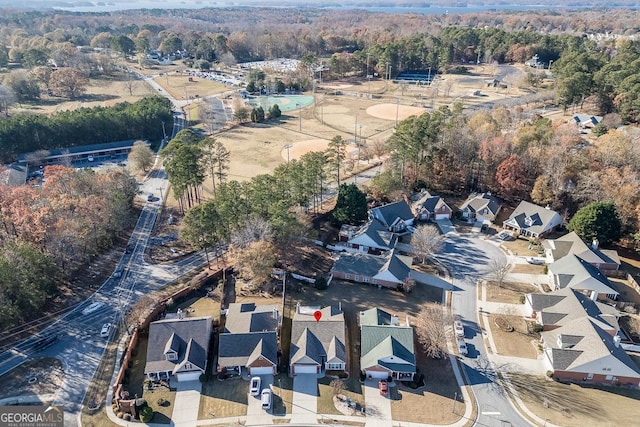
188,366
356,277
335,366
365,279
171,356
347,276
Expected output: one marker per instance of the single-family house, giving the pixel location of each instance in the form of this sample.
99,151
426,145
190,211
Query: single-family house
481,207
586,120
431,207
573,272
249,341
533,221
372,238
572,244
317,343
388,270
555,309
386,346
178,348
395,217
581,338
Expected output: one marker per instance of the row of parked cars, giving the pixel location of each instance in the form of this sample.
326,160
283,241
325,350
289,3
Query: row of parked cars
266,396
458,328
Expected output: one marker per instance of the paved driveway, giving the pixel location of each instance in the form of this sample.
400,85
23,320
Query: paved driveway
446,226
378,407
187,403
255,414
305,399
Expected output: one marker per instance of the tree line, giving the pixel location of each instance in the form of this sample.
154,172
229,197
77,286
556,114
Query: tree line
47,233
141,120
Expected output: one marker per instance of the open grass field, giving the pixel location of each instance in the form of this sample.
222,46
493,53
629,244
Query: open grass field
574,405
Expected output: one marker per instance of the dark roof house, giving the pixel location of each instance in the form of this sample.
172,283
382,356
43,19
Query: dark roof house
371,237
431,207
178,347
317,344
388,270
394,217
531,220
572,244
481,207
249,341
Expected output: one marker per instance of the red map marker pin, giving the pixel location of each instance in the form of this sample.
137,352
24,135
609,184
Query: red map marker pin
318,315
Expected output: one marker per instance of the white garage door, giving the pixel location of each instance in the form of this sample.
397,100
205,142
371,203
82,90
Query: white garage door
305,369
377,375
188,376
262,371
442,216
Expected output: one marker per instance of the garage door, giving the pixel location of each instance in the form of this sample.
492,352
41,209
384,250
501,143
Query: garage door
188,376
305,369
442,216
377,375
262,371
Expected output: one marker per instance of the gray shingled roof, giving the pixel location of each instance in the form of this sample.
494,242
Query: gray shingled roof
571,243
574,272
189,337
540,301
315,342
540,217
240,349
595,352
13,175
371,265
380,236
478,202
430,202
249,317
390,213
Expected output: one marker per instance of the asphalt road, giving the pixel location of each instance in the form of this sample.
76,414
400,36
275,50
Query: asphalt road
467,258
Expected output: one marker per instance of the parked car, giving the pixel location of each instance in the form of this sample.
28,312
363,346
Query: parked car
90,158
128,249
150,198
383,386
462,348
266,399
118,273
255,386
458,327
535,261
106,330
92,307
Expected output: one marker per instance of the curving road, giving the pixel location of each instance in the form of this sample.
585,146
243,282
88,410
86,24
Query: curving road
467,258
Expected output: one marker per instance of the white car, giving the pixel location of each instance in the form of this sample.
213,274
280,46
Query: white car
462,347
458,328
255,386
266,399
106,330
93,307
90,158
535,261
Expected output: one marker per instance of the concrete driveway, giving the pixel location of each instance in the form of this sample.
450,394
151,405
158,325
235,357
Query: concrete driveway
305,399
187,403
446,226
378,408
255,414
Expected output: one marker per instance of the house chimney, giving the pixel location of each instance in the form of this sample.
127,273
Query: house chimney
548,207
594,296
616,340
275,313
394,320
298,307
594,244
340,306
180,314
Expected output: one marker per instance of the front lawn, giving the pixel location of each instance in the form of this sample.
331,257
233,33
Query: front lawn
221,399
519,342
510,293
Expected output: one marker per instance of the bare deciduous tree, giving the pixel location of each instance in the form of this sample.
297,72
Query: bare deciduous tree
426,241
431,326
256,229
498,270
141,156
337,386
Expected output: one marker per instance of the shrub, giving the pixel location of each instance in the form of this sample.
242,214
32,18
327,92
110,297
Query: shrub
146,414
321,283
536,328
521,299
202,378
163,402
120,415
127,417
549,374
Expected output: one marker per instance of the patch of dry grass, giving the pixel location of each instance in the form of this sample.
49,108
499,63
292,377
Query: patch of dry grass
509,293
574,405
517,343
521,247
48,372
221,399
528,269
162,413
179,86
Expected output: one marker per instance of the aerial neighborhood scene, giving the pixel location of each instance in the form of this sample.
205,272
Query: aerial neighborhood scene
336,213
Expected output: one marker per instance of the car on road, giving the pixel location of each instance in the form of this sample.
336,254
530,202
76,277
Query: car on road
128,249
118,273
458,327
106,330
90,158
462,348
266,396
534,260
383,386
92,307
150,198
255,386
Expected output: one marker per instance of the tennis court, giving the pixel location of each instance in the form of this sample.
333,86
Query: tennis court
285,102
